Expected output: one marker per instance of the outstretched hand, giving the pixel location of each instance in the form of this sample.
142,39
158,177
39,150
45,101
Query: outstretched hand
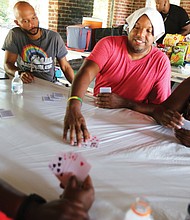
75,122
167,117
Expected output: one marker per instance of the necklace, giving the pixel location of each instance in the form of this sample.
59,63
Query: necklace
165,19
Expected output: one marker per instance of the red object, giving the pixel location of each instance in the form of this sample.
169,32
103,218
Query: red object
3,216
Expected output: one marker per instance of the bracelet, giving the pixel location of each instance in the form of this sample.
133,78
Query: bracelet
75,97
23,209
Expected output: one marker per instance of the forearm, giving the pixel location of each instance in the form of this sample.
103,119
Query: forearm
80,84
10,68
69,74
10,199
83,78
147,109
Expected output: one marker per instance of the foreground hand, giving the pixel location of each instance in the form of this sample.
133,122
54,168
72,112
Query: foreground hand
75,122
109,100
27,77
61,209
184,136
167,117
83,193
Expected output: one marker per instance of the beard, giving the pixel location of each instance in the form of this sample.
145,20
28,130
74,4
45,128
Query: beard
135,48
32,31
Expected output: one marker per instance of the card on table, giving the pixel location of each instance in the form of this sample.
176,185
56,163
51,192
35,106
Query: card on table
47,99
55,96
186,124
6,113
66,164
93,142
105,89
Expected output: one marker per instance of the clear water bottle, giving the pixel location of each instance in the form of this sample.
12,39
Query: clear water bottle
17,84
140,210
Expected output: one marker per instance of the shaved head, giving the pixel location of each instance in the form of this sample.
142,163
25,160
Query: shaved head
20,6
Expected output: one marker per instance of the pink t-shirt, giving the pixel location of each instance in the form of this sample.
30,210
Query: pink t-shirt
3,216
146,80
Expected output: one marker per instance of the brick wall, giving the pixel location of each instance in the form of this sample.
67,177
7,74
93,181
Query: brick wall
186,5
68,12
123,8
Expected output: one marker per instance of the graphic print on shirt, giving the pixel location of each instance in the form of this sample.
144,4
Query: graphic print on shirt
35,59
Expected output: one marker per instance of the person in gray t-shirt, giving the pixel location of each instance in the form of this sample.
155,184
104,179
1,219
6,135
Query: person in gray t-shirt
32,50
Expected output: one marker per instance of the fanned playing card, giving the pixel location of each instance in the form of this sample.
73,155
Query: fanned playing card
65,164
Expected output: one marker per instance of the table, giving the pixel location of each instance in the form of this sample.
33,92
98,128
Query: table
178,75
136,157
73,54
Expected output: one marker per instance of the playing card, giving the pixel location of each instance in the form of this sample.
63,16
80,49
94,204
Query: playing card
80,168
105,89
93,142
6,114
55,164
56,167
186,124
57,95
47,99
66,164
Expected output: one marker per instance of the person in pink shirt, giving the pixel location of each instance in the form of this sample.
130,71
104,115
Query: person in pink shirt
137,72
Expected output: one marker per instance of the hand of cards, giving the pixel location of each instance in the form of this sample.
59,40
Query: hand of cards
66,164
105,89
186,124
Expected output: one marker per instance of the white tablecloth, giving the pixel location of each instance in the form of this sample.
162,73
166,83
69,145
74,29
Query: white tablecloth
135,157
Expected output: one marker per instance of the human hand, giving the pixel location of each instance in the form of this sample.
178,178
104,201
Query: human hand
109,100
61,209
167,117
183,136
27,77
75,122
81,192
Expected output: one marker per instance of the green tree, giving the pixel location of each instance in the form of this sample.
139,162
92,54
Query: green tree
3,11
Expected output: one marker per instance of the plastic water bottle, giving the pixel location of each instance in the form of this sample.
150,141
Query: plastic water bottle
140,210
17,84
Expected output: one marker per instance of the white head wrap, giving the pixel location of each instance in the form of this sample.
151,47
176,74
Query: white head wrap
154,16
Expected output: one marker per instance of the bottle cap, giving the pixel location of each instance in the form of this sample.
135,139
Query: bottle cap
141,207
16,74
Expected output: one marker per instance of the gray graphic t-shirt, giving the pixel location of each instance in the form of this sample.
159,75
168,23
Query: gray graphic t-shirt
37,56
